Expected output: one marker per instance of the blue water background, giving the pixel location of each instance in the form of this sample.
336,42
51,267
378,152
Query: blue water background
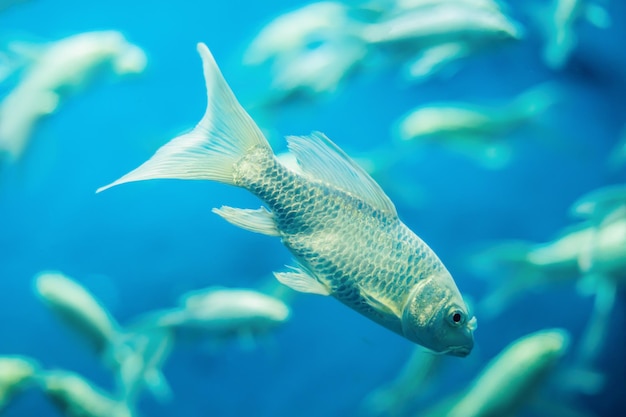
138,247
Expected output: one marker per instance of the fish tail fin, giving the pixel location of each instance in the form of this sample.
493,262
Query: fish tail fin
210,151
140,358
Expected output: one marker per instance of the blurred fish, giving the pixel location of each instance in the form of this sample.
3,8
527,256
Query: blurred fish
441,22
146,352
396,7
313,50
118,350
509,380
560,23
60,67
309,74
478,132
412,383
16,372
431,35
591,254
220,314
76,397
78,308
297,30
341,227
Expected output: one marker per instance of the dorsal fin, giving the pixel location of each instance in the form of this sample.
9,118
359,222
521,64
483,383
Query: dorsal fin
322,160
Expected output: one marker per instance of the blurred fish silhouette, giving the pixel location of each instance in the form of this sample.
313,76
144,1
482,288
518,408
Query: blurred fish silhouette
481,133
58,68
559,22
16,373
217,314
312,50
341,227
296,30
430,35
511,380
77,397
124,352
591,254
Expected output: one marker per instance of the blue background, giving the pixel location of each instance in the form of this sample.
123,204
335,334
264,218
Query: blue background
138,247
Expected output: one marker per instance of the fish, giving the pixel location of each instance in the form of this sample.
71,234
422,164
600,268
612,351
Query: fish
220,313
435,24
16,373
295,30
59,68
560,23
313,73
508,381
339,225
78,308
77,397
591,255
118,349
480,132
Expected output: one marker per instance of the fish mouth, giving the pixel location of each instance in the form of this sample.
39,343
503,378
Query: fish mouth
460,351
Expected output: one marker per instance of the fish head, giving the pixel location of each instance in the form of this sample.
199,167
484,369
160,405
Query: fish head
436,317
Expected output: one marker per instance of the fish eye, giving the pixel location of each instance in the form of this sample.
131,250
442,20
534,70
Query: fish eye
456,317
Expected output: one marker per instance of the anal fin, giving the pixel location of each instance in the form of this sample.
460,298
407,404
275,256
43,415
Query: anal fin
258,221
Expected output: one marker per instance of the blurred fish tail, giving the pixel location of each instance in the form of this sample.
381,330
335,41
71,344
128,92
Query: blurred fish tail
140,356
211,150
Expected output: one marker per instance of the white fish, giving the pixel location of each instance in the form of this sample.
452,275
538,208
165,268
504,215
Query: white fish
560,24
311,73
508,381
219,314
294,31
479,132
437,24
16,372
116,348
60,67
341,227
78,308
76,397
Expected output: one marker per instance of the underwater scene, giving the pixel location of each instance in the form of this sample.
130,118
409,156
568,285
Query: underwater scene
358,208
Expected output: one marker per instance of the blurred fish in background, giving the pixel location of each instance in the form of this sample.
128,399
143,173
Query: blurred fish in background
479,132
495,127
59,68
16,373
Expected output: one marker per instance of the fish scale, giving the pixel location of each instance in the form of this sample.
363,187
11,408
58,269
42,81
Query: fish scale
348,245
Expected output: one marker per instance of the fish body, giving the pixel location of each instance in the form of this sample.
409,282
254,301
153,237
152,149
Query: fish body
221,313
59,68
510,379
77,397
340,226
563,19
293,31
77,307
15,373
441,23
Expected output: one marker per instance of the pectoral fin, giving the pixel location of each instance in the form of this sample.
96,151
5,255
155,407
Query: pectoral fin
258,221
301,281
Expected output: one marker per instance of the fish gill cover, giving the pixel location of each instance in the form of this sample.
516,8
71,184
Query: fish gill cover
495,128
